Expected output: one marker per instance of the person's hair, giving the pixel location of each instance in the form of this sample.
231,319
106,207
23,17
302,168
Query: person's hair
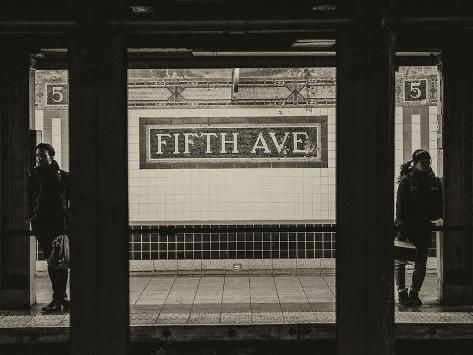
407,167
48,147
420,154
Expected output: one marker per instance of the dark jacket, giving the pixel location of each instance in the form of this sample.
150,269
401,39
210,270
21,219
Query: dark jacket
419,201
48,198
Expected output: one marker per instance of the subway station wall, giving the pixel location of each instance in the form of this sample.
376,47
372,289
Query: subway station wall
287,178
242,189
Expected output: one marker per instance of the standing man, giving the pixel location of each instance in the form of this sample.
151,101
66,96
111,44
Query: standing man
48,202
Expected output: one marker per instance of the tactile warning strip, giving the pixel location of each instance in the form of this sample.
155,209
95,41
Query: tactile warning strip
204,318
46,320
267,317
143,318
14,321
436,317
235,318
62,320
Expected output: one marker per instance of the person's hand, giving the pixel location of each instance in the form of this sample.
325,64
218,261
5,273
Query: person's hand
399,225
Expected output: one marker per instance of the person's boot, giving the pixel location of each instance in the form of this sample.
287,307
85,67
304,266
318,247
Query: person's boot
414,299
66,304
403,297
53,306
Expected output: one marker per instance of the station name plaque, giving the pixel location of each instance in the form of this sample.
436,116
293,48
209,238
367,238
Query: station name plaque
233,143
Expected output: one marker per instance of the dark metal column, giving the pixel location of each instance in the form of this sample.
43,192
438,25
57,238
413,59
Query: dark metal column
99,203
365,183
17,253
456,248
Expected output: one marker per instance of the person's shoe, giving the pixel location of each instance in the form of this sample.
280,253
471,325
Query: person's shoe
66,304
48,306
403,298
414,299
53,306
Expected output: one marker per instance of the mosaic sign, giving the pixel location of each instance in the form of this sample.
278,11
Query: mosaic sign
415,90
233,142
216,145
57,94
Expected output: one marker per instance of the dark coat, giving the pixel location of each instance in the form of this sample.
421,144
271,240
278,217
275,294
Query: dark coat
419,202
48,198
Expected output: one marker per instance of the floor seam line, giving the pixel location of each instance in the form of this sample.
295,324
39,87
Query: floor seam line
193,300
333,294
142,291
167,296
221,301
279,300
251,307
305,294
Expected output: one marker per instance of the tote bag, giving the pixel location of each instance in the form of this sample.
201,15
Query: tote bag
59,258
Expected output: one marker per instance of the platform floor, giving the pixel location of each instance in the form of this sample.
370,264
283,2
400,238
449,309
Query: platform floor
244,300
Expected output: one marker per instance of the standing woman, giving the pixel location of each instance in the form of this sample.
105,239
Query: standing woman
419,202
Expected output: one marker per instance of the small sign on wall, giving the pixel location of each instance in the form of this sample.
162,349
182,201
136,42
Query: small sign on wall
57,94
233,142
415,90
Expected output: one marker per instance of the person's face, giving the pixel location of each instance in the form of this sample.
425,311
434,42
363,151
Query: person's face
42,157
423,165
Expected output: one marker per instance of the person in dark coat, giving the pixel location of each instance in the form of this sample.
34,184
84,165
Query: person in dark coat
419,202
48,202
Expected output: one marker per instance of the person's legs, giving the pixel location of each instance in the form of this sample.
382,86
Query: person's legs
45,240
418,275
66,303
400,278
61,283
420,268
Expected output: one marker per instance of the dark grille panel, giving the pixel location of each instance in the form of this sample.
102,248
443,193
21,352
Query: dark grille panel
146,245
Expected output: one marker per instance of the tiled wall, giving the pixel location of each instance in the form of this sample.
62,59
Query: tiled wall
411,132
275,244
145,244
241,196
259,195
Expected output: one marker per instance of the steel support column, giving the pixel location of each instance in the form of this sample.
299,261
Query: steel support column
99,203
456,248
365,183
17,252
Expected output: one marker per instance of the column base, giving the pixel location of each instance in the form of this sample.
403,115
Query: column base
456,295
14,299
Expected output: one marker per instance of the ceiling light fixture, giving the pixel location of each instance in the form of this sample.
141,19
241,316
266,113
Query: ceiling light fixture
416,54
313,43
142,9
324,7
160,50
263,54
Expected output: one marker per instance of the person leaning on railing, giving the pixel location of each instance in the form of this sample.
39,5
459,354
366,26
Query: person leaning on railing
419,202
48,202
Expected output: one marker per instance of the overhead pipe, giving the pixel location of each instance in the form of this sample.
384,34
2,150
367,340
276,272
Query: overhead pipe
39,27
243,26
185,26
239,26
428,23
